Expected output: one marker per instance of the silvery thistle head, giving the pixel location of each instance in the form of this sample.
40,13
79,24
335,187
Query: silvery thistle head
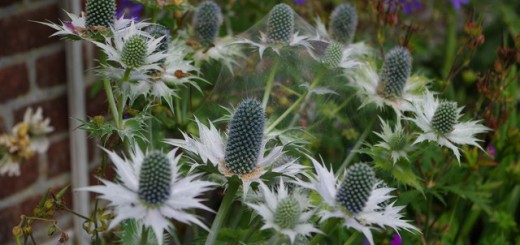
242,151
440,122
343,23
99,19
286,213
206,22
395,141
175,70
393,86
360,199
132,50
152,191
336,55
280,32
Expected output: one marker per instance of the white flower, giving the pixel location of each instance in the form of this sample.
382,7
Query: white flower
288,214
296,40
375,211
222,51
151,191
365,79
39,127
176,71
439,121
395,141
76,28
211,148
133,50
8,165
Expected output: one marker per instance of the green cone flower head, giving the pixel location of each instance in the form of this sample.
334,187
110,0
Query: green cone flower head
287,213
382,184
154,179
394,73
333,55
134,51
157,31
280,24
398,141
356,187
100,13
206,22
245,137
445,117
343,23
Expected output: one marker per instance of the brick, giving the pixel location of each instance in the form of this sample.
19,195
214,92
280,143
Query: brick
24,35
96,101
58,157
56,109
28,175
51,70
9,217
2,125
15,80
5,3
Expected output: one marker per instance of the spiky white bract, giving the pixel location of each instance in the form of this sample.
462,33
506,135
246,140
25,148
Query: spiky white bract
76,27
8,164
365,78
273,202
210,146
223,51
182,194
296,41
462,133
372,216
396,141
114,48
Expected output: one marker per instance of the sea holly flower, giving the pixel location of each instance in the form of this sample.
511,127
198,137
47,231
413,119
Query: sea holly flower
360,199
348,57
393,86
343,23
396,141
457,4
152,191
129,9
134,51
174,70
245,153
98,19
440,122
206,23
280,32
286,213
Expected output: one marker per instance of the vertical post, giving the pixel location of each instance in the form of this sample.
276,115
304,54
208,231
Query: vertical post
78,138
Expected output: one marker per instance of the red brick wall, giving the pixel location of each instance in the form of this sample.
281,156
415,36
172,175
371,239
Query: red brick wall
33,74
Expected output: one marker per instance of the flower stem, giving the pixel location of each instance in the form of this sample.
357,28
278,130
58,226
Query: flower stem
315,82
109,92
144,236
270,82
358,144
222,211
293,106
331,224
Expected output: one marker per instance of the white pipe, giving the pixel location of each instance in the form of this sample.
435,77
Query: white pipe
78,138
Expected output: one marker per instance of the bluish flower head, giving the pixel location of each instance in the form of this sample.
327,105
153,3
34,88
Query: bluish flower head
409,6
129,10
299,2
458,3
396,240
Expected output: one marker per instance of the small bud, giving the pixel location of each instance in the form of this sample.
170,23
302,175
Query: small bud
51,230
333,55
287,213
395,73
100,13
134,52
206,21
280,24
27,230
445,117
245,137
356,187
17,231
48,204
343,23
